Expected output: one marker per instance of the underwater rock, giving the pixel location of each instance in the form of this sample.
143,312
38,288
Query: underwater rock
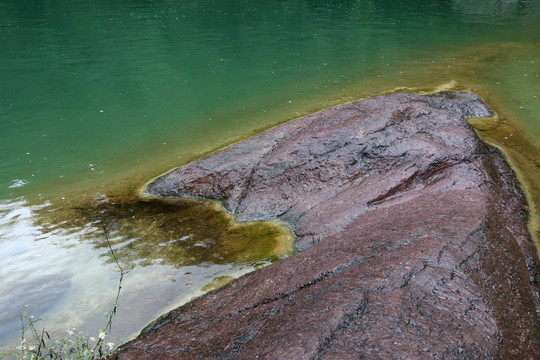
413,236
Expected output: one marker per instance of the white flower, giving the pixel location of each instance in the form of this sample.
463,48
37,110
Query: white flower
70,332
110,345
102,335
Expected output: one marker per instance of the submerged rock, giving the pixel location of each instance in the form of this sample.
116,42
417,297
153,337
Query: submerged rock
413,237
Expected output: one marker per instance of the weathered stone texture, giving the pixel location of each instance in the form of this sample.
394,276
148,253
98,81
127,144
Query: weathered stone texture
413,238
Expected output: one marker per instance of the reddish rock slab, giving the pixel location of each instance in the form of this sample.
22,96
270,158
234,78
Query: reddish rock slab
413,237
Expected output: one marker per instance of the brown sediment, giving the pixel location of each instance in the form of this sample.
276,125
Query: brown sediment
414,237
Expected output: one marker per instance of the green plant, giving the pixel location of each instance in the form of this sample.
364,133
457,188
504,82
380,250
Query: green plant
38,345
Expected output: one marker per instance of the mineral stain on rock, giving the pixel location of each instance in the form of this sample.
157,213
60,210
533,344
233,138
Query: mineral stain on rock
413,235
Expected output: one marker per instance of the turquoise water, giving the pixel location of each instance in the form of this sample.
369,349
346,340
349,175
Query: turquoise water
98,97
97,89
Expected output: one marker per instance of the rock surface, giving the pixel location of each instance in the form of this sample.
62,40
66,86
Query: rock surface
413,237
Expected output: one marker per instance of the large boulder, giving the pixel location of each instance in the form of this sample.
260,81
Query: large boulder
412,233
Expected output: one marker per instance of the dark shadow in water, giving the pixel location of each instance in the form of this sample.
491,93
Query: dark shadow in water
178,233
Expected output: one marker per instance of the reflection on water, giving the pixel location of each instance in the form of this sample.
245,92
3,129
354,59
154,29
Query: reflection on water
172,232
57,261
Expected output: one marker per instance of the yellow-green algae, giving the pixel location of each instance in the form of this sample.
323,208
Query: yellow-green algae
217,283
171,232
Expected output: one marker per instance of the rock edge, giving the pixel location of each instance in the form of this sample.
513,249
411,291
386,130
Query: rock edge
413,237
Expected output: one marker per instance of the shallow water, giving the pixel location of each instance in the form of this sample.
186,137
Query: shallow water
97,98
63,264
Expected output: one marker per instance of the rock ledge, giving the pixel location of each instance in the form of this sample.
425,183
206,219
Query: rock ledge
413,237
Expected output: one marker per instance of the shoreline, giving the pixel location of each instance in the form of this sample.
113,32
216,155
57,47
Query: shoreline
516,156
520,155
130,194
255,179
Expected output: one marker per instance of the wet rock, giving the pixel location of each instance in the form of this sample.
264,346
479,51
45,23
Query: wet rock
413,237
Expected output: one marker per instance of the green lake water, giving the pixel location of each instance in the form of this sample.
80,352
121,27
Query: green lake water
96,98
